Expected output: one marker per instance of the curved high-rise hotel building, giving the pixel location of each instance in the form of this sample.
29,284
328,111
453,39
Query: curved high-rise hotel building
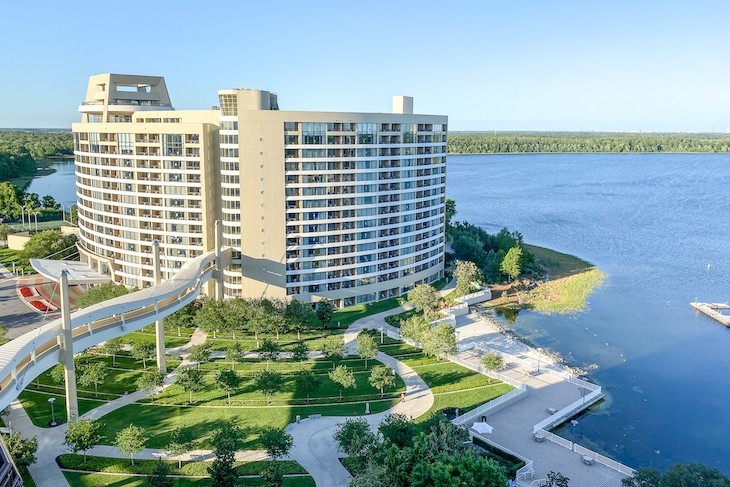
348,206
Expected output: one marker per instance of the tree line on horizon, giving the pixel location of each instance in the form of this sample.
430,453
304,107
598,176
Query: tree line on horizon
556,142
19,150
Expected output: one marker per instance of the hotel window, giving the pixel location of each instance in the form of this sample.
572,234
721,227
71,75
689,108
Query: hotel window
366,133
125,143
229,105
313,133
172,144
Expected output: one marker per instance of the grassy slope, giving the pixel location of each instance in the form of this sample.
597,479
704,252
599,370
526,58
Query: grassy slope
572,281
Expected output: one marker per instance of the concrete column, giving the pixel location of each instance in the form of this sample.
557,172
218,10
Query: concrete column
67,351
159,324
219,258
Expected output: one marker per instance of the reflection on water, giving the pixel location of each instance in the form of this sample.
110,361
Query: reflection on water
652,223
61,184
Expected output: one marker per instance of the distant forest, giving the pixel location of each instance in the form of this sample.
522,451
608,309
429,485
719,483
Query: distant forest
20,149
516,142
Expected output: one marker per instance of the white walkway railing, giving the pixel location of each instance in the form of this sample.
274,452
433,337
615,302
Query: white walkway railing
26,357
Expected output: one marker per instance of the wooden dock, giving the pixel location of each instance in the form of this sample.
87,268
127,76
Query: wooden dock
712,310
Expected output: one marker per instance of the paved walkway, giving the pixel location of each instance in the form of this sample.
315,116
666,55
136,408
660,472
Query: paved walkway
314,445
546,389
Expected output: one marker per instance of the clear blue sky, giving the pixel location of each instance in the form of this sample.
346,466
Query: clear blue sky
488,65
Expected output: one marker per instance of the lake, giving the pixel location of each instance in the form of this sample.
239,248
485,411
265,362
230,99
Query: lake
658,225
653,223
61,184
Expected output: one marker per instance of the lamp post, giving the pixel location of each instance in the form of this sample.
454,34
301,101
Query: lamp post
51,400
382,335
539,357
573,424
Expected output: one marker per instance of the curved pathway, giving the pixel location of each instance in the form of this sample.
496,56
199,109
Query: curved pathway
314,446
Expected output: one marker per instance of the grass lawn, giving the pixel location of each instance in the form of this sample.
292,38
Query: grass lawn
453,386
571,282
39,411
146,467
159,421
76,479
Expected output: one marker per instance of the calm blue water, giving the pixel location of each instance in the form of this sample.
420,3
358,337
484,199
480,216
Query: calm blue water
653,223
61,184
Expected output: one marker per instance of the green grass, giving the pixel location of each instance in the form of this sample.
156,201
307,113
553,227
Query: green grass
453,386
160,421
146,467
565,295
76,479
39,411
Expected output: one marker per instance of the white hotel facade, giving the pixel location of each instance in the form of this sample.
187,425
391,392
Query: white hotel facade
348,206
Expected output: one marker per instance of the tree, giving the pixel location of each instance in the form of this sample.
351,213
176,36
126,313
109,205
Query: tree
450,211
300,352
367,347
184,317
307,382
343,378
511,264
4,232
372,475
398,429
268,382
415,328
229,381
58,374
112,347
466,273
269,350
199,353
181,442
382,376
10,201
462,469
273,475
354,437
48,244
226,442
93,375
143,351
150,380
297,315
160,476
325,311
440,341
333,349
681,475
74,214
556,479
49,203
100,292
492,361
425,297
277,442
212,315
130,440
191,380
234,353
443,437
83,434
22,451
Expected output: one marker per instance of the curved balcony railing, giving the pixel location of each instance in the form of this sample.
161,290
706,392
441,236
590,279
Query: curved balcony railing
26,357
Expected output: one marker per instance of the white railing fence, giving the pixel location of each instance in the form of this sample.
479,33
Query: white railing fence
581,450
491,407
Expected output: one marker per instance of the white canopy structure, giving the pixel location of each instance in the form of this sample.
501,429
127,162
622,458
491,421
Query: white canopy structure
78,272
482,427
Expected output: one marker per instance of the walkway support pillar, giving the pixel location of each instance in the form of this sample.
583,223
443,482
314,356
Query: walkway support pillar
219,259
67,351
159,324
